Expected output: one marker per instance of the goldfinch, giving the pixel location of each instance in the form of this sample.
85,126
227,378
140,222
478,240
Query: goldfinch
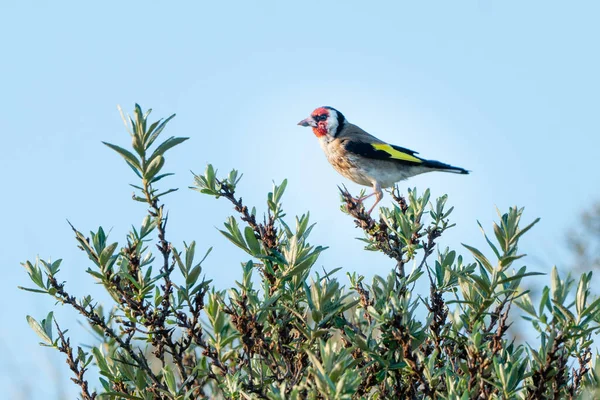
363,158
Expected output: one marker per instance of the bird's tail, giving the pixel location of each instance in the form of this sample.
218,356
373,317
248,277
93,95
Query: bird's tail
440,166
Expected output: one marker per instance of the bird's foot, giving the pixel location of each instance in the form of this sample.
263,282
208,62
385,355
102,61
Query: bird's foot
378,196
360,199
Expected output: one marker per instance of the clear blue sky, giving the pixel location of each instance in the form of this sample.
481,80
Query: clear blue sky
508,90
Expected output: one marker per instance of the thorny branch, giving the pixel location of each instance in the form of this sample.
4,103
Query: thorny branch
94,319
265,232
153,319
79,371
583,360
254,340
387,241
383,239
543,377
161,336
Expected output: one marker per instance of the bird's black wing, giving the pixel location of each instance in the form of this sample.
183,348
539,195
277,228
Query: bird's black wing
382,151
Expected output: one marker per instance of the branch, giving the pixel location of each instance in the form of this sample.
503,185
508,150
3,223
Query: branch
378,232
542,377
94,319
266,232
79,371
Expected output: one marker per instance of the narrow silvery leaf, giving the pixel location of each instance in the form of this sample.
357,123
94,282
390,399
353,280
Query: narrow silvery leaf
37,328
128,156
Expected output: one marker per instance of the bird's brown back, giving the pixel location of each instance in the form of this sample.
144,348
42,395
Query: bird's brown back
353,132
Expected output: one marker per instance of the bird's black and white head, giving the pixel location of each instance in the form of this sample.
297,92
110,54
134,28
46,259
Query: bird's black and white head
325,122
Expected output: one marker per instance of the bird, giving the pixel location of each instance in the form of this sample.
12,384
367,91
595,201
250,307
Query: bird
365,159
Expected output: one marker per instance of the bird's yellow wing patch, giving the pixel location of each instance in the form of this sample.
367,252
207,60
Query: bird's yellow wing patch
396,154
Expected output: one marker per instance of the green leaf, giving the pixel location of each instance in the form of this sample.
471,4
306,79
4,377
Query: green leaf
555,283
55,266
159,177
519,275
496,252
100,360
480,257
120,395
522,231
591,309
107,253
154,167
95,274
140,379
507,260
526,305
170,379
153,134
501,238
252,241
166,145
581,296
47,324
140,120
32,290
138,146
37,328
165,192
193,275
128,156
125,120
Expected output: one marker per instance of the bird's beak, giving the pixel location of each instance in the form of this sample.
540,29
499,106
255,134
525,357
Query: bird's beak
308,122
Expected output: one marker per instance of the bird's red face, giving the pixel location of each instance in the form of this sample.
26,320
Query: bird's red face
319,120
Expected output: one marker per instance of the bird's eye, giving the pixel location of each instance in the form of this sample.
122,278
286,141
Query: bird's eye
321,117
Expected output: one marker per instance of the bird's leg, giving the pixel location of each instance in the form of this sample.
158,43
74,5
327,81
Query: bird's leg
363,198
378,195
